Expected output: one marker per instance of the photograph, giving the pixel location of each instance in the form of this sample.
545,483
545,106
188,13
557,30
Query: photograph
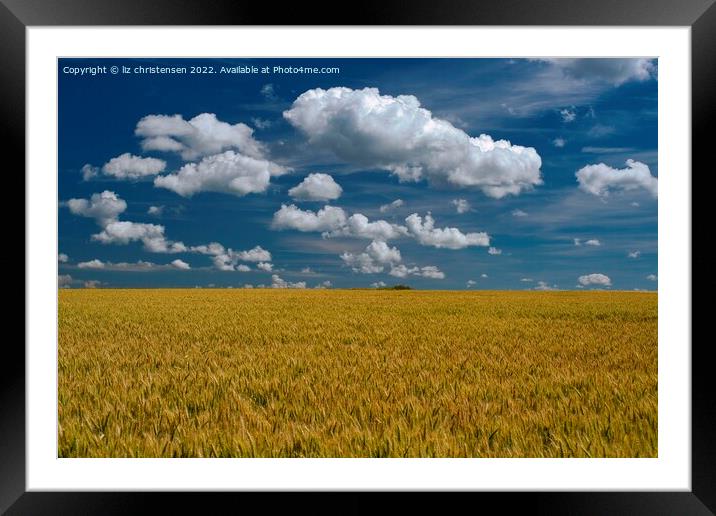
363,257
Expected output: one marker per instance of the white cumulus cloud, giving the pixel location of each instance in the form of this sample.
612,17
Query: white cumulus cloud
316,187
425,232
278,282
257,254
92,264
600,179
358,225
374,259
429,271
180,264
494,251
211,249
378,256
595,279
129,166
264,266
328,218
104,207
334,222
634,254
63,258
229,172
224,262
202,135
228,260
398,135
151,235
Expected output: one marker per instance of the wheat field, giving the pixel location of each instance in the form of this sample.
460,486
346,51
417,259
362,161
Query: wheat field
356,373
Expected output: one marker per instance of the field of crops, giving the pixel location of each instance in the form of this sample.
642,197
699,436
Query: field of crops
356,373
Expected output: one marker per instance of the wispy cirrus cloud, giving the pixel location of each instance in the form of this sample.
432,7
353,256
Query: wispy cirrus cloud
139,266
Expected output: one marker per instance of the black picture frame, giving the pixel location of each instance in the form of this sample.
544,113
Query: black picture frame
700,15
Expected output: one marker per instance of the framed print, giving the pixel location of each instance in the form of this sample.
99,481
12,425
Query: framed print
441,253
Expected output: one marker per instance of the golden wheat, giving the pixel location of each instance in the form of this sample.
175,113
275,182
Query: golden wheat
339,373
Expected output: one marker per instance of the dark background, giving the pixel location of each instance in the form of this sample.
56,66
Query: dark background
15,15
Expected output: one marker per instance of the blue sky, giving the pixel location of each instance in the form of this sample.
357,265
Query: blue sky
375,173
